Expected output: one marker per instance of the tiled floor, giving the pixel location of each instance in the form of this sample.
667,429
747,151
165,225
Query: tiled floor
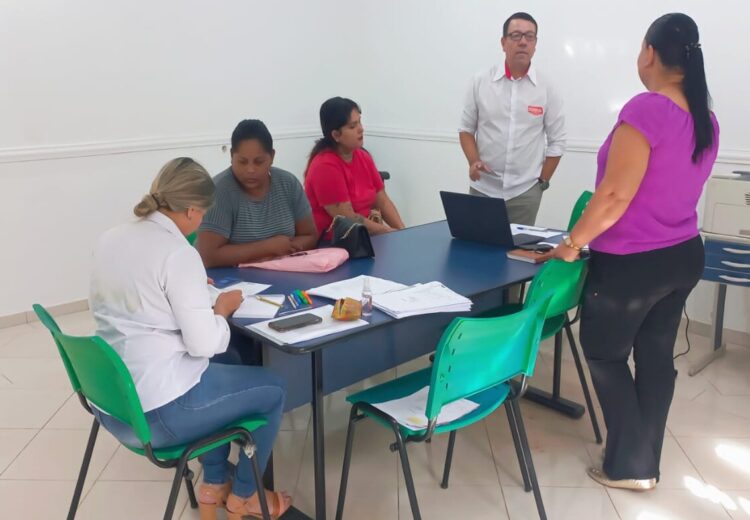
705,467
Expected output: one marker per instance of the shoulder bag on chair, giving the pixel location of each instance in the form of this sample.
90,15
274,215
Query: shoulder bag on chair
351,235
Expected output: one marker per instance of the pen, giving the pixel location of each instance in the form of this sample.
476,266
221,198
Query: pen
292,301
307,296
266,300
300,301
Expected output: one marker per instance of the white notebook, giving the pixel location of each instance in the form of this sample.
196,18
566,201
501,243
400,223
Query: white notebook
247,288
253,307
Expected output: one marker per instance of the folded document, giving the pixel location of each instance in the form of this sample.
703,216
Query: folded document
352,288
410,410
421,299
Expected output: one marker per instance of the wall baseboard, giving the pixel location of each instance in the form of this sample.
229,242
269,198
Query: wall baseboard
736,337
698,328
22,318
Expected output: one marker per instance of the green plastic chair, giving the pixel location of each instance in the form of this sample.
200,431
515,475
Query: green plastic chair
476,358
566,280
579,207
192,237
99,377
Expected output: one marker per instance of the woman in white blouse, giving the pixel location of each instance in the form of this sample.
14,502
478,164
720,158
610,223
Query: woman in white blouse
151,303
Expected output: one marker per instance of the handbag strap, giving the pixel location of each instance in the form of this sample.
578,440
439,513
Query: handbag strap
354,224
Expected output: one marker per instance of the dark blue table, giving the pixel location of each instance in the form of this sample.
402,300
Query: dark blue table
424,253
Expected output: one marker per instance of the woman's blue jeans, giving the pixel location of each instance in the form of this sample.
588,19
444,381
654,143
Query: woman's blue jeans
224,394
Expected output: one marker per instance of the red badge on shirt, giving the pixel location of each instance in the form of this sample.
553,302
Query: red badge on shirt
536,110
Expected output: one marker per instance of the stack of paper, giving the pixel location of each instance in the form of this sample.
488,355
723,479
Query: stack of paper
247,288
517,229
352,288
421,299
410,410
254,307
324,328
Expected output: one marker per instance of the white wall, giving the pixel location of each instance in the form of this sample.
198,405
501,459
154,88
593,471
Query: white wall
96,96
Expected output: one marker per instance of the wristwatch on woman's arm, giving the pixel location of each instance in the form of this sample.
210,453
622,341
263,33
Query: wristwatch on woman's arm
543,184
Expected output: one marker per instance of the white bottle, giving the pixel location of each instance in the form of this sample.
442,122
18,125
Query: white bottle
366,297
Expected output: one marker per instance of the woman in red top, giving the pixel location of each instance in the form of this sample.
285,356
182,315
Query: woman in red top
341,177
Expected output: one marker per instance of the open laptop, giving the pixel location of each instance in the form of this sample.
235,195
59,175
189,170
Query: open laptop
481,219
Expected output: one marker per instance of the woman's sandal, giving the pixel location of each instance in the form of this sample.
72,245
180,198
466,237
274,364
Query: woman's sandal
238,507
210,497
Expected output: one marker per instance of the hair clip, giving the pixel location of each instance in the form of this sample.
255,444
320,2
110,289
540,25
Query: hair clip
691,46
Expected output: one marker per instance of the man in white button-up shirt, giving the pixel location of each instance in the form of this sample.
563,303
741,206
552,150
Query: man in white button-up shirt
512,127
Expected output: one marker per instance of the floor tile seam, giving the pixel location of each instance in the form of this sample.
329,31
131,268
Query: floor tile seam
84,495
497,468
10,463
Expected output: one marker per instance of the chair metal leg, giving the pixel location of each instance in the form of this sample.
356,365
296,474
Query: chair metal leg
557,366
554,400
584,383
517,443
407,475
178,475
448,460
347,461
529,462
84,470
189,486
259,487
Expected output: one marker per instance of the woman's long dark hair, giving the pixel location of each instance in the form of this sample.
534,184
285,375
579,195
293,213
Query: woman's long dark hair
675,39
334,114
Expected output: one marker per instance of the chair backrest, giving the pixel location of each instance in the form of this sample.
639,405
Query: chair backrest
192,237
97,372
580,205
51,325
105,380
564,280
475,354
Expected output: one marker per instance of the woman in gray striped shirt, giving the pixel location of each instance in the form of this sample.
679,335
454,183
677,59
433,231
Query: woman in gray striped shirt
260,212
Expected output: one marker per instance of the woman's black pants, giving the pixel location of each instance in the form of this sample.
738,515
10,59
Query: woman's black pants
634,303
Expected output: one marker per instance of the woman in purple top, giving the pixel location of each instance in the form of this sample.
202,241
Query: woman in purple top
646,252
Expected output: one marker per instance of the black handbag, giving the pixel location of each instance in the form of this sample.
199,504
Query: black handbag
352,236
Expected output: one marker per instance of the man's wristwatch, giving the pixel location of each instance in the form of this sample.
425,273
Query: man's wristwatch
543,184
569,243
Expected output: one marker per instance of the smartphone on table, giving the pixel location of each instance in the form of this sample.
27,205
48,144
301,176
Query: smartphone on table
295,322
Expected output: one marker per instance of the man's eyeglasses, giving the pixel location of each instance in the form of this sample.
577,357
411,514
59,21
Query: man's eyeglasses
528,36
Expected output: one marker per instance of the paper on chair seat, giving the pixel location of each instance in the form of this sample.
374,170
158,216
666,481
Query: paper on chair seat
518,229
247,288
352,288
425,298
410,410
324,328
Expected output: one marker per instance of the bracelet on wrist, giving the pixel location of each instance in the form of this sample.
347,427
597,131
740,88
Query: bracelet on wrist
569,243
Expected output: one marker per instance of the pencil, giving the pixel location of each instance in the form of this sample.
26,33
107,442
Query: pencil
266,300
